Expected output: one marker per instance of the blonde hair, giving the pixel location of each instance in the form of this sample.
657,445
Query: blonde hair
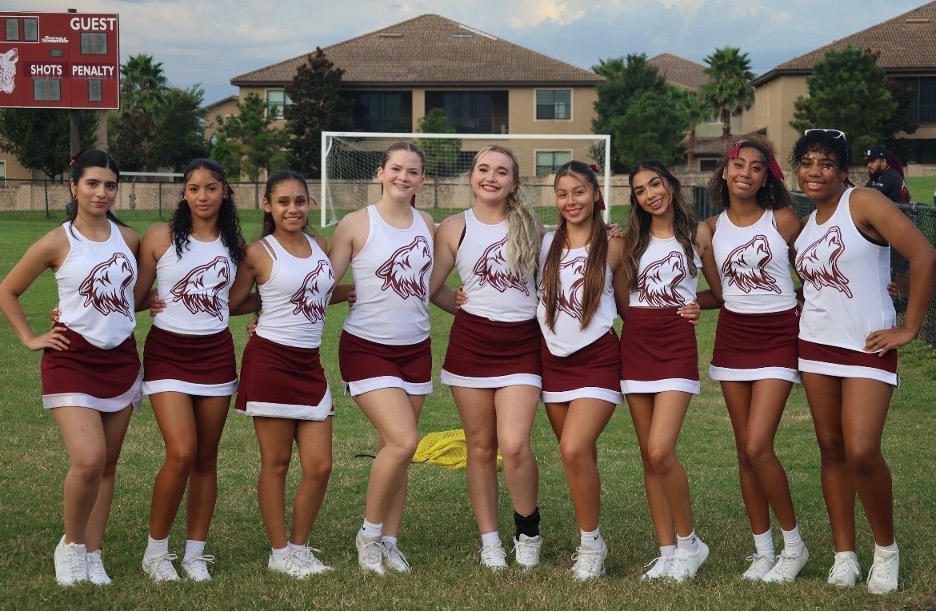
523,235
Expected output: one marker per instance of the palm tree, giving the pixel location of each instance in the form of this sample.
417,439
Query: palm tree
728,91
142,82
694,111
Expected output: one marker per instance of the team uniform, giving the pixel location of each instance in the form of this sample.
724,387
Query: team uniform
385,338
845,277
281,373
494,341
658,347
579,362
756,335
100,368
189,348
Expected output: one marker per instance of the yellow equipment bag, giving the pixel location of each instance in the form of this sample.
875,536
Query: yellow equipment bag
445,448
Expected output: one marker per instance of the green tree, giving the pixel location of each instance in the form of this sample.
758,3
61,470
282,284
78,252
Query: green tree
849,91
316,107
260,146
694,112
39,137
441,153
728,90
142,82
180,134
131,130
636,107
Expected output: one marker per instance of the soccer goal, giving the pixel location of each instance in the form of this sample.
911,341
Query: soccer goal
351,159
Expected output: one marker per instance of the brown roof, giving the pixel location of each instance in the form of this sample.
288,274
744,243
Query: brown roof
431,50
679,71
906,43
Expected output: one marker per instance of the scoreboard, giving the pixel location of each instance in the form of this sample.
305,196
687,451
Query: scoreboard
59,60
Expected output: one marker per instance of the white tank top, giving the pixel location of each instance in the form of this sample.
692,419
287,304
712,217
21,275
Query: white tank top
754,265
195,288
295,296
568,335
95,287
845,280
663,278
391,280
494,291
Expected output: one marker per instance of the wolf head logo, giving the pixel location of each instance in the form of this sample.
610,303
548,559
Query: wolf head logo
492,269
200,288
105,286
745,266
8,61
569,301
818,263
405,271
311,299
657,283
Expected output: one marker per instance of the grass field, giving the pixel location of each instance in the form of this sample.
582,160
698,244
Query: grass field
439,534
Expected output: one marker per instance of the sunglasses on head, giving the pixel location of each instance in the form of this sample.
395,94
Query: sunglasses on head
835,133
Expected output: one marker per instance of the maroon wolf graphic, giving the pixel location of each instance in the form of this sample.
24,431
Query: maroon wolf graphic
405,270
309,299
818,263
653,288
744,267
492,268
104,286
570,303
200,287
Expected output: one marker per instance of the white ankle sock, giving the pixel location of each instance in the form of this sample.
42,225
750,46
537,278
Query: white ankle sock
371,530
690,543
763,543
193,549
491,538
792,540
592,539
157,548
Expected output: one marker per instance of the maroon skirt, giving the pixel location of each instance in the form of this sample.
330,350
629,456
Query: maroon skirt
368,366
596,366
278,375
748,341
482,348
202,360
658,345
845,363
92,377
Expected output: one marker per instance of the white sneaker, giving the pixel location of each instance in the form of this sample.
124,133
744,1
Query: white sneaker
394,559
660,568
882,577
760,565
589,562
685,565
494,557
306,558
71,563
845,570
370,554
788,566
527,551
196,568
160,568
96,573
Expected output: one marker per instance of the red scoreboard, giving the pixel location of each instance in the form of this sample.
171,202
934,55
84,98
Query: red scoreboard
59,60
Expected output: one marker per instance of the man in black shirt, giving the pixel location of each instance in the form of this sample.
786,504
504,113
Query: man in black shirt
883,177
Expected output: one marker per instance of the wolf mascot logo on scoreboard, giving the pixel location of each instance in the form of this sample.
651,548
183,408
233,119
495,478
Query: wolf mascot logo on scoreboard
492,269
8,61
405,271
105,286
199,290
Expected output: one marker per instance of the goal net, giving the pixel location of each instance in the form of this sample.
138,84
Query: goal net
351,159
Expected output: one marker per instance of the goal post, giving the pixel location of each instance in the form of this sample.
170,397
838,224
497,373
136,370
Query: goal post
350,161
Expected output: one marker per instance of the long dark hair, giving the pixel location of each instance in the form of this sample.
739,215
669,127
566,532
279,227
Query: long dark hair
597,253
93,158
273,180
774,195
638,233
180,226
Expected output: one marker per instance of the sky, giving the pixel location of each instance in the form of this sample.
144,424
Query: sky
208,42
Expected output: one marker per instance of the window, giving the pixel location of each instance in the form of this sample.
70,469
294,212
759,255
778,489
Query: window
12,28
548,162
385,111
922,106
2,174
31,29
471,112
707,165
93,43
277,100
94,90
47,89
553,104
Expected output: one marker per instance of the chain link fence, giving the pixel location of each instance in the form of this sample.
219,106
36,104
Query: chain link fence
922,215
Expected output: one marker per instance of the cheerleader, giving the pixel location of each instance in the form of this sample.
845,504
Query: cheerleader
848,338
93,256
666,247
